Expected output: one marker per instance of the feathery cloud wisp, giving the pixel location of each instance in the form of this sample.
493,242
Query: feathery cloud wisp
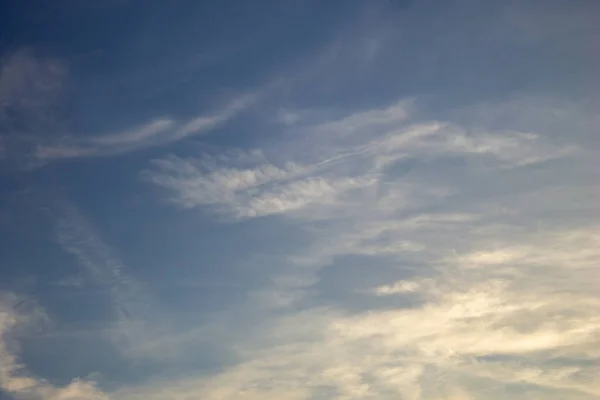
157,132
353,158
30,93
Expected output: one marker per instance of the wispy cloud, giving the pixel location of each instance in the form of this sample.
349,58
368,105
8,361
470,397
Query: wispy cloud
144,133
28,85
109,144
30,96
204,123
157,132
14,378
475,232
138,328
134,317
77,237
494,301
259,190
351,160
34,133
482,335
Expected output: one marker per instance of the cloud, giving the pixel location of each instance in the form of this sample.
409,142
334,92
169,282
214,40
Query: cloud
134,316
105,145
474,335
14,378
78,238
137,327
397,287
494,289
33,127
28,85
347,161
485,301
142,134
30,96
204,123
154,133
259,190
475,234
496,302
379,118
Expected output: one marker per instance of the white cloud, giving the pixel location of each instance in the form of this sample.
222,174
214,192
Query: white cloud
30,93
204,123
497,300
201,182
349,155
493,247
257,190
29,85
501,299
298,195
143,133
473,336
397,287
14,378
157,132
371,120
34,134
136,320
78,238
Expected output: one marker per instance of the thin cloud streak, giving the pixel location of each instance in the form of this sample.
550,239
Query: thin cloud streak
30,93
75,235
154,133
363,147
144,133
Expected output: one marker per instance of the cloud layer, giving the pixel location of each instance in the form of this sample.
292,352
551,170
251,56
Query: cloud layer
492,290
409,212
499,301
33,130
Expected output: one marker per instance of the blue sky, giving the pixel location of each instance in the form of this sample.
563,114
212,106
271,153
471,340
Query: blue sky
299,200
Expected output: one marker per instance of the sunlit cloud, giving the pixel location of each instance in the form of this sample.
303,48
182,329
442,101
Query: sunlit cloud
353,157
394,216
482,288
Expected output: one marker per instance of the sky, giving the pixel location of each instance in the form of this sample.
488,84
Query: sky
299,199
